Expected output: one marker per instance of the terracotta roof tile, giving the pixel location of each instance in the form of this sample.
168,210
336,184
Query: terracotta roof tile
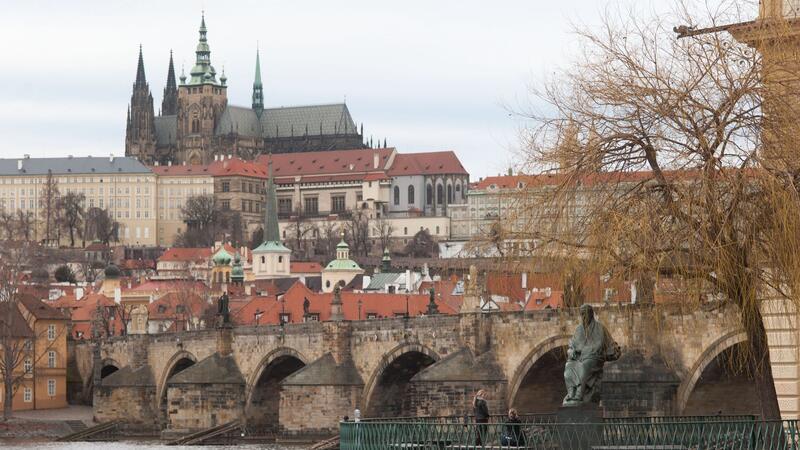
326,162
304,267
186,254
427,163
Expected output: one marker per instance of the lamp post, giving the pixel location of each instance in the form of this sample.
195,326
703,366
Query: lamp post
359,308
407,313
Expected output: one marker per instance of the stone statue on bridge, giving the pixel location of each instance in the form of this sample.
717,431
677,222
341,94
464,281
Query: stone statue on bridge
223,310
590,347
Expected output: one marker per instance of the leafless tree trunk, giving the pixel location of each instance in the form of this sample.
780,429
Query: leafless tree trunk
47,207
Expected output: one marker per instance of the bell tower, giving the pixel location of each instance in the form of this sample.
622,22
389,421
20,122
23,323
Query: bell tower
201,101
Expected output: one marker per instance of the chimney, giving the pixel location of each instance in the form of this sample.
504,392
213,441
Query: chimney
184,163
248,289
156,163
111,158
169,163
408,280
78,293
524,280
27,156
375,160
117,295
19,164
230,156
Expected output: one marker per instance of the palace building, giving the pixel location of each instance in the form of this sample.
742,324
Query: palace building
196,122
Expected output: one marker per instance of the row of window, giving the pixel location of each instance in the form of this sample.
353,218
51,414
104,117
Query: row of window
27,393
67,180
440,193
247,187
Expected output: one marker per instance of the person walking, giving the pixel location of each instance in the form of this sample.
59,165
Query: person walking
481,411
513,436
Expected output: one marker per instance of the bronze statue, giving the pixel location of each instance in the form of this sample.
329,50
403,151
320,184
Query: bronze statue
222,308
590,347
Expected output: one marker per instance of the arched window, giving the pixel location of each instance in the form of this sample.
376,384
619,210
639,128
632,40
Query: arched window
429,195
410,195
396,195
449,193
280,259
263,260
439,194
195,124
328,284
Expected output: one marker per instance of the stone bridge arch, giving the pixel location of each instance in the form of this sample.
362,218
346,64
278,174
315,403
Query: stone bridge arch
536,354
169,370
109,366
710,354
426,355
269,358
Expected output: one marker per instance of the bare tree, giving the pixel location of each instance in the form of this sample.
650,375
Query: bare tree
25,224
100,226
357,228
48,210
71,211
384,230
199,212
327,238
8,224
674,168
298,233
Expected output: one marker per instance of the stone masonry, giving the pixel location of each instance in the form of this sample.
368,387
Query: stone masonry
425,365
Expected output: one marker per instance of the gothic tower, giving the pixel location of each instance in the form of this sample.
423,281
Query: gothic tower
140,136
169,105
201,102
258,89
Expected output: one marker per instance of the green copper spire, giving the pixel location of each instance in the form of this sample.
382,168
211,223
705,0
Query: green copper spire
258,90
271,230
203,72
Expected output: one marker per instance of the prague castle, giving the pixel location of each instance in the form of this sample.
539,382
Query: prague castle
196,122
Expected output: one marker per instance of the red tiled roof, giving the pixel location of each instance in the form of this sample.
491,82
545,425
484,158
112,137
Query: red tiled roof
257,311
166,307
553,179
427,163
186,254
382,305
40,309
171,286
304,267
238,166
326,162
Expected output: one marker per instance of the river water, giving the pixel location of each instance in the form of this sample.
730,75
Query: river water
134,446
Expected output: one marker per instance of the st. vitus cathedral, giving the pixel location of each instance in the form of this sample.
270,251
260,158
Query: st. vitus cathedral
196,122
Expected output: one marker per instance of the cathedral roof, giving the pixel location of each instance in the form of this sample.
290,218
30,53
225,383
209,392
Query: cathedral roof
288,121
72,166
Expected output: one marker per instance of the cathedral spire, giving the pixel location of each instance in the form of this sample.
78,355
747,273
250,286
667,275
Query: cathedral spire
203,72
169,104
141,80
258,89
271,230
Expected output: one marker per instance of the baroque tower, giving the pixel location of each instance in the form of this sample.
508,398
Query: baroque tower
140,136
169,105
201,101
271,258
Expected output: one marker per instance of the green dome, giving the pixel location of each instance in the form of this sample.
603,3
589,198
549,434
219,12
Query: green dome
342,264
222,257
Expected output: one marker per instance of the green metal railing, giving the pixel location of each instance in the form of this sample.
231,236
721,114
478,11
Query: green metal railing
706,434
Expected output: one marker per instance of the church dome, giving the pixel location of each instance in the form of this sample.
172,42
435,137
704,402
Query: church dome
222,257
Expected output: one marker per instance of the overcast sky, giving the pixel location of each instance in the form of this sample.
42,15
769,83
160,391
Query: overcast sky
427,75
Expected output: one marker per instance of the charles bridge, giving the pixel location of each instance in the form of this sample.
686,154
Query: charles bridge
303,378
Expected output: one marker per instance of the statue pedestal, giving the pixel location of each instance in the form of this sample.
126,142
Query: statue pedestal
580,426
